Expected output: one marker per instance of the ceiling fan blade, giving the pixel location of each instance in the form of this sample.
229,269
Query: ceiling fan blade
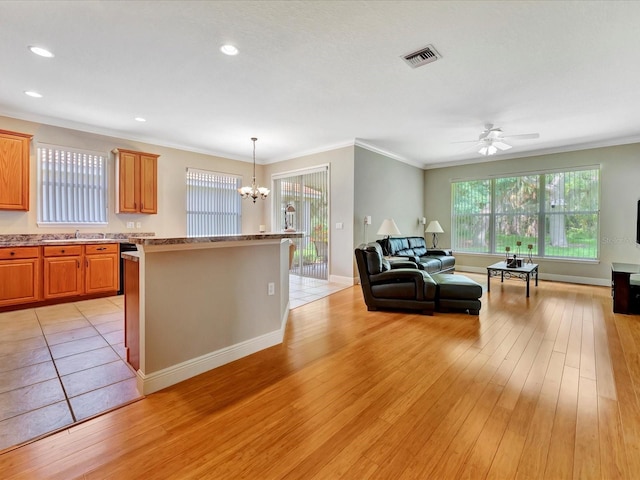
501,145
523,135
466,141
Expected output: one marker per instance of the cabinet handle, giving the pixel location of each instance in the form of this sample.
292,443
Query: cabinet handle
101,248
78,261
12,253
87,263
62,251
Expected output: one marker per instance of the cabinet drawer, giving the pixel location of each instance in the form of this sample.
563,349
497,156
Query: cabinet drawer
101,248
62,250
19,252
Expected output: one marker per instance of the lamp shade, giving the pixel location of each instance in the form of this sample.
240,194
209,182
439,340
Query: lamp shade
388,227
434,227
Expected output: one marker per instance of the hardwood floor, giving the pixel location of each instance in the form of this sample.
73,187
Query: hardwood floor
545,387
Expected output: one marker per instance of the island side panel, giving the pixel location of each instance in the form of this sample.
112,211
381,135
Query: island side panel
202,301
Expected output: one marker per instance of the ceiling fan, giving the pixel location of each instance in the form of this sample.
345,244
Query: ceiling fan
492,139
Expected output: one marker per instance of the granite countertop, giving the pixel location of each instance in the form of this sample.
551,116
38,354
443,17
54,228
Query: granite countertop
36,240
219,238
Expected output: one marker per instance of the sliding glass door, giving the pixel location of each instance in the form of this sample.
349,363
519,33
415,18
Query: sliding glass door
301,203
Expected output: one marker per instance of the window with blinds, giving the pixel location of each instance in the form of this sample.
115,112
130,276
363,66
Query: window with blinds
214,206
551,214
72,186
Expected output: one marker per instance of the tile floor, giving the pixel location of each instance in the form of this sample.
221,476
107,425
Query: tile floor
65,363
61,364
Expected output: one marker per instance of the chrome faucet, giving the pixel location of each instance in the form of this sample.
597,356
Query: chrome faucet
77,233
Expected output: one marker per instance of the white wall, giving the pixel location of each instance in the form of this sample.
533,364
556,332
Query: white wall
620,191
172,164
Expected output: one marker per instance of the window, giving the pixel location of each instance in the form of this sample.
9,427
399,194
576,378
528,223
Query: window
556,213
214,205
73,186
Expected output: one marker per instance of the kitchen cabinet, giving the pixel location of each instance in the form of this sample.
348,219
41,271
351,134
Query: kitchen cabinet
101,268
63,271
137,182
73,270
14,170
19,275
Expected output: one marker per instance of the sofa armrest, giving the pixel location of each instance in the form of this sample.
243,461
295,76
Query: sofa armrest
440,251
420,277
402,264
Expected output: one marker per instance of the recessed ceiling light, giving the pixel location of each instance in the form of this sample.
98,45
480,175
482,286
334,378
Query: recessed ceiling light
229,50
33,94
43,52
140,119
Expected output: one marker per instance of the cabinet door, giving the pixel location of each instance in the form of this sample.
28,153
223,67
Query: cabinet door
128,175
101,273
19,281
14,170
148,183
63,276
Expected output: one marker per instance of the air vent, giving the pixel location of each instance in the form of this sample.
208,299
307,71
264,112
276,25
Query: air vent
423,56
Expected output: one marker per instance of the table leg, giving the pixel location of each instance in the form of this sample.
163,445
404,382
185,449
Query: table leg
502,276
528,285
536,276
488,280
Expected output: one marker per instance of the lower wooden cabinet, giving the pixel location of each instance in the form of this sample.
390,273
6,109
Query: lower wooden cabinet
63,271
101,268
19,275
72,270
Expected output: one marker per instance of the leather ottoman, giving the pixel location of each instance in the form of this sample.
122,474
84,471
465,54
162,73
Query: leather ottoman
457,292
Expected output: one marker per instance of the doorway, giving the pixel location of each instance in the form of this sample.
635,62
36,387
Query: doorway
301,204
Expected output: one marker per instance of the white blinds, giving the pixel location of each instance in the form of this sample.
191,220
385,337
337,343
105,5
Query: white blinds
73,186
214,206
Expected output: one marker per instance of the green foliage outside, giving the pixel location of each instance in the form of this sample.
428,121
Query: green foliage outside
565,203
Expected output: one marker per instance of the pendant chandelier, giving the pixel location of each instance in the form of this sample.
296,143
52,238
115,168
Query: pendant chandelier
254,191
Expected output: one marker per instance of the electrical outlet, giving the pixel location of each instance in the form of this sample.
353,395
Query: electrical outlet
367,220
138,224
339,226
271,288
129,224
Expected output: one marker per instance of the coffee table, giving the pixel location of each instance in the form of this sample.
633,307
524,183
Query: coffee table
525,272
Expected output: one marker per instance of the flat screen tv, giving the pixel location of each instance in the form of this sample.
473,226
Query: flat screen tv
638,224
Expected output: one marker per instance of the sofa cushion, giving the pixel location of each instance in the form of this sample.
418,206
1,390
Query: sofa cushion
416,242
457,287
394,290
397,245
430,264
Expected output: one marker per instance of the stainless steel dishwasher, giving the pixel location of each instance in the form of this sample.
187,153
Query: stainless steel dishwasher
124,247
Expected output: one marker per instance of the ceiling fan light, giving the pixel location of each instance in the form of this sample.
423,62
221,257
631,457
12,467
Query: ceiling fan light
492,150
484,151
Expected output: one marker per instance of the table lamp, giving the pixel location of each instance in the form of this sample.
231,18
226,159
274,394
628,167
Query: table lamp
434,228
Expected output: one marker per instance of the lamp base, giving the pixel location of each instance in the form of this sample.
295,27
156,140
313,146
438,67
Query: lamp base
435,240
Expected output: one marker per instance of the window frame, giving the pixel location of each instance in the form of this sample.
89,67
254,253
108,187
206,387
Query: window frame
543,215
84,205
232,195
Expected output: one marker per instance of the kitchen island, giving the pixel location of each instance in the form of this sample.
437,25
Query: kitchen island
196,303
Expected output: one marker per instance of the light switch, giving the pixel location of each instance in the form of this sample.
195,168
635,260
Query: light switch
339,226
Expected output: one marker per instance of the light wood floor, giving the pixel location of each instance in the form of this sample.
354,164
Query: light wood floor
539,388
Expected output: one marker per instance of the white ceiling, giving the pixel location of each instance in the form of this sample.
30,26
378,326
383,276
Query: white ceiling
316,75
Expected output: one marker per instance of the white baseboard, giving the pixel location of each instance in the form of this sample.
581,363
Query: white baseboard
341,280
177,373
601,282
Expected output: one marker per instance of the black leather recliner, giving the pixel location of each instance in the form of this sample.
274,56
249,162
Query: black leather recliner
395,286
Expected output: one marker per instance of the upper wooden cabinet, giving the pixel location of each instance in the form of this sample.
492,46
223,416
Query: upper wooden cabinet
137,184
14,170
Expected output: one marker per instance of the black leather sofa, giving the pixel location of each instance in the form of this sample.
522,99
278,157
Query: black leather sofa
401,285
415,249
